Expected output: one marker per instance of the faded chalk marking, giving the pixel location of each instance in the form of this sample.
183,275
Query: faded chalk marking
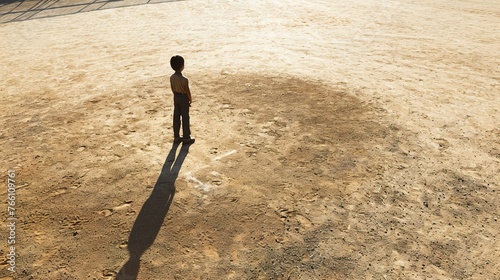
203,186
225,155
200,185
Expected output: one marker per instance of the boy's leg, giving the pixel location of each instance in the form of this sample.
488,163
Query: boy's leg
177,117
184,106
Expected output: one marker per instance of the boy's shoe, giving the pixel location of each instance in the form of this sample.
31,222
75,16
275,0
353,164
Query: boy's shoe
177,140
188,141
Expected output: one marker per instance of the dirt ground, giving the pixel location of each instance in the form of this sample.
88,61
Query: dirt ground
334,140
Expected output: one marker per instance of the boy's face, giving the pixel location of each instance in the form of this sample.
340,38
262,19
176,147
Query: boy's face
182,68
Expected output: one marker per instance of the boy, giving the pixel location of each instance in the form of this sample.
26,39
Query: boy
182,101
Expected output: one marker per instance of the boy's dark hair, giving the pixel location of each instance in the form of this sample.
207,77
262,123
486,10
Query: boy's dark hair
177,62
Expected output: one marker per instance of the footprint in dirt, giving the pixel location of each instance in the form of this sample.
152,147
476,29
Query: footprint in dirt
443,143
121,207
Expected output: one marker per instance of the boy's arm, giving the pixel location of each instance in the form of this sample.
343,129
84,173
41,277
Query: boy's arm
188,91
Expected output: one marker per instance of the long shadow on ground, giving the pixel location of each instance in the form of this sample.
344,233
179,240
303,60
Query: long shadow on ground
153,212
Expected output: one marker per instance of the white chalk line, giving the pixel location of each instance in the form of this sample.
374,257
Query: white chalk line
224,155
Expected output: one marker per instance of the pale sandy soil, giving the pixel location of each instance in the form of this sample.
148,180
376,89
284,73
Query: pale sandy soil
334,140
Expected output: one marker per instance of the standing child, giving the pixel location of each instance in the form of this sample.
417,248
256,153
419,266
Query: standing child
182,101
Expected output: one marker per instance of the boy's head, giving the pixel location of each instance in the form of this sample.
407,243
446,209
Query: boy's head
177,62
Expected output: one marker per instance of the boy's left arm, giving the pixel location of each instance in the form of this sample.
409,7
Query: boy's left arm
188,92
